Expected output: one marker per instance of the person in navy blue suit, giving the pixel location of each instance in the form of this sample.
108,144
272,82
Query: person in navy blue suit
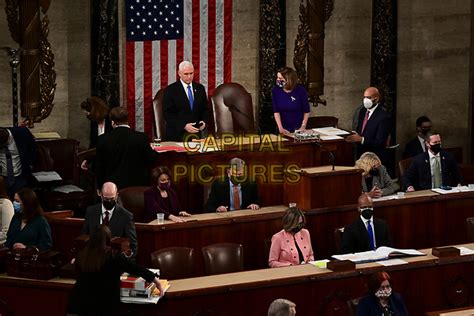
417,146
184,105
373,127
422,175
17,150
381,301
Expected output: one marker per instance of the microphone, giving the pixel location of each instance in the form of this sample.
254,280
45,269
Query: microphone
233,108
331,154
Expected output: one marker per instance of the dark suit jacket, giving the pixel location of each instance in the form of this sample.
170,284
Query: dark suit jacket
177,112
356,239
124,156
220,194
95,132
413,148
121,224
375,134
418,174
155,203
370,306
98,293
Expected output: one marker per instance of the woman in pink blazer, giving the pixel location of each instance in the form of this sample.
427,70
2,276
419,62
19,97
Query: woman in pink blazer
292,245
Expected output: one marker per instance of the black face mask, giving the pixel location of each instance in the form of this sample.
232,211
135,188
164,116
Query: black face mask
374,172
297,228
367,212
435,148
109,204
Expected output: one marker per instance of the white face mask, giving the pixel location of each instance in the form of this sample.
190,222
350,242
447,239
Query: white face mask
384,293
368,103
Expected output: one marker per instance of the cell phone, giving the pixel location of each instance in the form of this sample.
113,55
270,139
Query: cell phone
197,124
445,187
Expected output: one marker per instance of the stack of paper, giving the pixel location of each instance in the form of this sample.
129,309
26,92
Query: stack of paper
46,176
382,253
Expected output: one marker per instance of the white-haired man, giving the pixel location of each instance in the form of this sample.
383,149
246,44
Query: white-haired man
184,105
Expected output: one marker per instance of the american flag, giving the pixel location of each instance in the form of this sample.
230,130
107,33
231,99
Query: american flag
162,33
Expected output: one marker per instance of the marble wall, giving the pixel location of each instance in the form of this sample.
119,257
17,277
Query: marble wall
433,62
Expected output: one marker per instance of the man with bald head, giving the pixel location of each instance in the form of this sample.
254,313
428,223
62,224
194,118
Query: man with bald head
372,124
119,220
366,232
184,105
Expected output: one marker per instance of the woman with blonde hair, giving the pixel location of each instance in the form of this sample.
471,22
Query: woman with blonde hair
376,181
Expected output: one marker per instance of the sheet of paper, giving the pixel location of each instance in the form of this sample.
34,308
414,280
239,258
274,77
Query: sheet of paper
45,176
330,137
68,188
453,190
465,251
320,263
330,131
386,198
392,262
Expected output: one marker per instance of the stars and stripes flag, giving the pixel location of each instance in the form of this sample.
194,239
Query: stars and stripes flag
162,33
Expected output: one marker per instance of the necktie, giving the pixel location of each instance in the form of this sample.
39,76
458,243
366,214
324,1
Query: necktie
366,119
190,96
236,198
10,175
106,218
371,235
437,174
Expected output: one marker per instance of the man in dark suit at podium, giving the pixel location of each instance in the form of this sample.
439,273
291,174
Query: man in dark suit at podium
366,232
234,192
373,127
124,156
417,146
119,220
184,105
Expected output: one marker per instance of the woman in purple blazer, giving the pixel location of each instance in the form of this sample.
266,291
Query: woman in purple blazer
292,245
290,102
161,198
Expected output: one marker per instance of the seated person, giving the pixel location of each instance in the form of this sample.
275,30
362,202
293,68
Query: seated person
291,245
375,178
366,232
6,211
119,220
29,228
162,198
381,300
432,169
234,191
282,307
417,145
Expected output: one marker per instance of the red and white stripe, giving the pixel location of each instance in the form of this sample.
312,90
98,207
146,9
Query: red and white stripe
153,65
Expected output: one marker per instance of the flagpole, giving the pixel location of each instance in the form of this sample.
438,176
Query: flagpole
121,51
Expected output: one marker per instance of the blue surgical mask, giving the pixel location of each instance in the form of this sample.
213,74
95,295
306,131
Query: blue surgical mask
17,207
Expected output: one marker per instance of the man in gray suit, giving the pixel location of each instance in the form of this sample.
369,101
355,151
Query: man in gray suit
119,220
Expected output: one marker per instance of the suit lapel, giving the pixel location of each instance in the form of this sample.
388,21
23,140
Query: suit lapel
364,234
182,95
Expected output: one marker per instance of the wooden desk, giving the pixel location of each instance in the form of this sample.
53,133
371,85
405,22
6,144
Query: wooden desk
465,311
426,283
421,220
269,161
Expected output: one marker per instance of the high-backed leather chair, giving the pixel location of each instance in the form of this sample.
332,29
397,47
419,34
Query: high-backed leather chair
321,121
174,262
232,109
403,165
470,229
223,258
133,199
160,123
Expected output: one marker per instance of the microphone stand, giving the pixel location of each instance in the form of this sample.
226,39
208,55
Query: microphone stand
331,154
233,108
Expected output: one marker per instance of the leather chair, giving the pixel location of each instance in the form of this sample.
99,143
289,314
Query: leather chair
470,229
160,123
133,199
58,214
338,231
321,121
223,258
232,109
403,165
174,262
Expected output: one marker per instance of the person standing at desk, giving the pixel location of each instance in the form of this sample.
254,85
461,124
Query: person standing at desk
366,232
184,105
234,192
162,198
432,169
381,301
292,245
290,102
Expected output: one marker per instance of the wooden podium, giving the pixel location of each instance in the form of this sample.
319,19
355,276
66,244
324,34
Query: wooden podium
323,187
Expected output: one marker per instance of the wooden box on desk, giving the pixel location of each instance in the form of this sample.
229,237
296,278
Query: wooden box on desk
323,187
